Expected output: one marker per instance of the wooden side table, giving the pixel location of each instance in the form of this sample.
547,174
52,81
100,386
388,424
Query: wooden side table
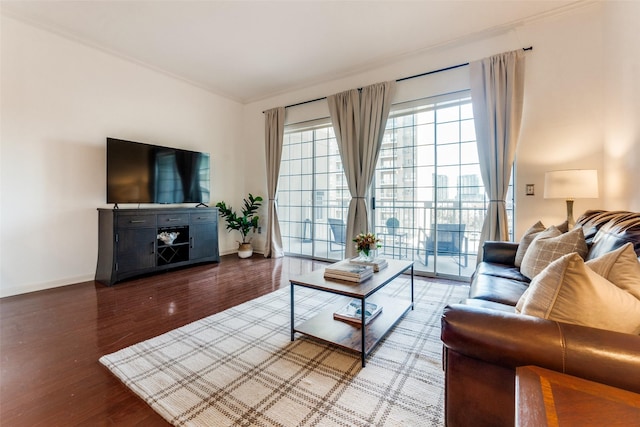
549,398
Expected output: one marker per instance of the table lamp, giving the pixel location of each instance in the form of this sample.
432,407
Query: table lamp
570,185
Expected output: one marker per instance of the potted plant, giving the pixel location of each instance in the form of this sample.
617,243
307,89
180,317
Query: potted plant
244,223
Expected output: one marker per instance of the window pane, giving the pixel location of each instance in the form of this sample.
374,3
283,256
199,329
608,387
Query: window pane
468,153
448,133
466,111
448,114
448,154
467,131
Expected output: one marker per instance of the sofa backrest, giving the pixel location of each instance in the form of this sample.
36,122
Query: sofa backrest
605,231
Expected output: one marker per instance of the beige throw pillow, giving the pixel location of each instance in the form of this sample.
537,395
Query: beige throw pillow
620,267
569,291
563,227
526,240
522,300
531,234
550,245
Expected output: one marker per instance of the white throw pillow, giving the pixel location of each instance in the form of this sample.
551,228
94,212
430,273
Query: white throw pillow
569,291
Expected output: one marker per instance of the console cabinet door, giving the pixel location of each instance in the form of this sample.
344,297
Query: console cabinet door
135,249
203,235
204,242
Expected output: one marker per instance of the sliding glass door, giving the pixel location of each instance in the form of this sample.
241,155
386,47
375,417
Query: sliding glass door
313,197
428,201
429,197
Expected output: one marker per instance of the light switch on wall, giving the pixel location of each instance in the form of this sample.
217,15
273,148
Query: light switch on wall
530,190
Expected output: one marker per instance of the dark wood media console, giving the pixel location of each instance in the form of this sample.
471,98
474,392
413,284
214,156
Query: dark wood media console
129,244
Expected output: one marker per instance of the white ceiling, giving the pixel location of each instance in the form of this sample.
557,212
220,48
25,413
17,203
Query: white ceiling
251,50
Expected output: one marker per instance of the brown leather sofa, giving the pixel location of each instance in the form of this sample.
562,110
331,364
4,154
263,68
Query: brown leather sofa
485,340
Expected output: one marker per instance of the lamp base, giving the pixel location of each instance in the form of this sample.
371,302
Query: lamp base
570,219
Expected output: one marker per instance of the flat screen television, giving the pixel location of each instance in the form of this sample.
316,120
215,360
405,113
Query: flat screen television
145,173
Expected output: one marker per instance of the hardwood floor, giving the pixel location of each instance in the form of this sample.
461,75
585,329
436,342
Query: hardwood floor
50,341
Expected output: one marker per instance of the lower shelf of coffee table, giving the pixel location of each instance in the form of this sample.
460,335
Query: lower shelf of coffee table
348,335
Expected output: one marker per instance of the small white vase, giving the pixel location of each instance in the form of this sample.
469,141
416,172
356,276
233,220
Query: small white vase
245,250
369,255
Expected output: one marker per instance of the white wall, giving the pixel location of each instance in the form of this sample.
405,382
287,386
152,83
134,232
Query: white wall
622,105
563,115
563,123
60,100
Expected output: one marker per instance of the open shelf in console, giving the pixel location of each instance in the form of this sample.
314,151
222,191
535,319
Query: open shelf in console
178,250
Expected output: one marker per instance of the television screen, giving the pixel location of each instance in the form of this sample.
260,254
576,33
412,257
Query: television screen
144,173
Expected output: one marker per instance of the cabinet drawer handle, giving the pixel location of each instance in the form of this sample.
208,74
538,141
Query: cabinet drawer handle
137,221
173,219
190,242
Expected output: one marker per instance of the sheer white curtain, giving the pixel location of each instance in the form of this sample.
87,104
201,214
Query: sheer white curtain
274,133
497,91
359,118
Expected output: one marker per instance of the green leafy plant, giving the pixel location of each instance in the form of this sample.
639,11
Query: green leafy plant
247,221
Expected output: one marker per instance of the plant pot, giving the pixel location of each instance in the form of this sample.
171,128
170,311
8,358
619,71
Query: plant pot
245,250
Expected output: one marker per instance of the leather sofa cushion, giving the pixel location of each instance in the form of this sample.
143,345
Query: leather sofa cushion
498,289
499,252
500,270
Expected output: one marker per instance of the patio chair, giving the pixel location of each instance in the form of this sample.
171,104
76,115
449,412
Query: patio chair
451,241
395,237
338,230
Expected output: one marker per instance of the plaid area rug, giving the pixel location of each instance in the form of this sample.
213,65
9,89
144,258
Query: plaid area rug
239,367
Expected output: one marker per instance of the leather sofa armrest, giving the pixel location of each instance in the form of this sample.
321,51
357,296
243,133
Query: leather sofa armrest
499,252
510,340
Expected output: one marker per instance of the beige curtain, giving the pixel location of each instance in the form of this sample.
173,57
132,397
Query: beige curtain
359,119
497,91
273,136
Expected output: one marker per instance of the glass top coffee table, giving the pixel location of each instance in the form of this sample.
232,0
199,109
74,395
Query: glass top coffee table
347,334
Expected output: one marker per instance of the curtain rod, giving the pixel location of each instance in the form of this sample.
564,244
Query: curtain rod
402,79
445,69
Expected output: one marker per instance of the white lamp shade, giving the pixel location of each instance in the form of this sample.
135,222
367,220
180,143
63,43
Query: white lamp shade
571,184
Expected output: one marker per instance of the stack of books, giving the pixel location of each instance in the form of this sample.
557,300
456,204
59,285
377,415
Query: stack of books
377,263
352,312
348,271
